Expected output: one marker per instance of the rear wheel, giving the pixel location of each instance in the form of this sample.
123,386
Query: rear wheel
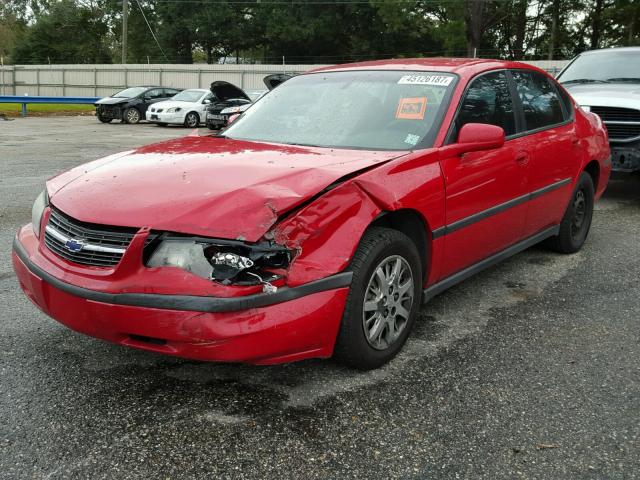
577,218
192,120
131,115
383,300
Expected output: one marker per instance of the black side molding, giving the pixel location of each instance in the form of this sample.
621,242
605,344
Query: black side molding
476,217
456,278
188,302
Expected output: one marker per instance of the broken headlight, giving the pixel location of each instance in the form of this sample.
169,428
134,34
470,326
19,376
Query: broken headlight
228,262
37,211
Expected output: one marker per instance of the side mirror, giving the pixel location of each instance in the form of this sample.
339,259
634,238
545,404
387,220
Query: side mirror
475,137
232,118
206,101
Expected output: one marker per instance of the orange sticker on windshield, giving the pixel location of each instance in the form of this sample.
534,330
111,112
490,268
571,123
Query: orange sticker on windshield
412,108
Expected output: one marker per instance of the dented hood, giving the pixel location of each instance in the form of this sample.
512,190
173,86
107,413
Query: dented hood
205,186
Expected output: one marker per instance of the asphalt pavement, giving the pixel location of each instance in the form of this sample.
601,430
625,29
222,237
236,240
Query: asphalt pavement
529,370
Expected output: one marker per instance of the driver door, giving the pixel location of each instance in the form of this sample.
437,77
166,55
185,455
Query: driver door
484,211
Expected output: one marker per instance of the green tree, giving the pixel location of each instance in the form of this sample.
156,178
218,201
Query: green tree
67,33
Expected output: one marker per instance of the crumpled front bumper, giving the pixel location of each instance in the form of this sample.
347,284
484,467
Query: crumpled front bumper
298,323
625,157
113,112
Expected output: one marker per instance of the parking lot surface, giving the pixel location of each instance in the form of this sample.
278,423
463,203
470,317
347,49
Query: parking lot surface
529,370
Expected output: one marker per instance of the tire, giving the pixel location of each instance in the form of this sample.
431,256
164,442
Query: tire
380,250
162,124
576,222
192,120
104,120
131,115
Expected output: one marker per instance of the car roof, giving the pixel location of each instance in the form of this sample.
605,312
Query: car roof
149,87
465,67
609,50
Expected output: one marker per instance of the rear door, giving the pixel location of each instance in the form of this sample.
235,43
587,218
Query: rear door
555,148
152,96
169,92
484,190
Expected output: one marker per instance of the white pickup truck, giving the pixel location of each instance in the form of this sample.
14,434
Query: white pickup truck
607,82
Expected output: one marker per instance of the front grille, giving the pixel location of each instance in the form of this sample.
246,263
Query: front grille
617,114
103,245
622,123
621,131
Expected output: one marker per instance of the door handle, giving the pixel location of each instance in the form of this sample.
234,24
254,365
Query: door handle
522,158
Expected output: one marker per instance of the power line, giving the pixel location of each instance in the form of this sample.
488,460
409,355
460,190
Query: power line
125,14
151,30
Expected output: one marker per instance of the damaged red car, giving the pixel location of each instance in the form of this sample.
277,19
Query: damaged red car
323,218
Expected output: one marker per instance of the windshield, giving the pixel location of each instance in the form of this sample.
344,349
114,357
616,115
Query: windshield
188,96
377,110
130,92
611,66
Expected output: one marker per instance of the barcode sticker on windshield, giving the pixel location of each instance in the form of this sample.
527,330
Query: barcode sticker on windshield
439,80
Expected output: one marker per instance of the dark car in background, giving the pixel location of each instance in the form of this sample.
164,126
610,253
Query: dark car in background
130,104
219,112
225,95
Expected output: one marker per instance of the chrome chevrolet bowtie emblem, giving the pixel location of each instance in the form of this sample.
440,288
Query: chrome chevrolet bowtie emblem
74,245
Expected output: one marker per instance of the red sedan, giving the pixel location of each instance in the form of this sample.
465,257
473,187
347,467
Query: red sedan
322,218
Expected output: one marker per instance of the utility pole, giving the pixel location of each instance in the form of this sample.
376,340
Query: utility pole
125,14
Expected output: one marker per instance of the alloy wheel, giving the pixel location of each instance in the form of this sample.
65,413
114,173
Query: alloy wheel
133,115
192,120
387,302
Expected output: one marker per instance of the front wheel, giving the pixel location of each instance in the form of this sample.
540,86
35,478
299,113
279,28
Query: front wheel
383,302
192,120
576,222
131,115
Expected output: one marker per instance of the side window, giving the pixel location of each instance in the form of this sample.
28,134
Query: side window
568,104
154,94
168,92
488,100
540,101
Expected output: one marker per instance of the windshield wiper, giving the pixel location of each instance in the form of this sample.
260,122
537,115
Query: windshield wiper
584,80
624,79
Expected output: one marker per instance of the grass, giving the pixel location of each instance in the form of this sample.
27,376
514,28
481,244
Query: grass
14,109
